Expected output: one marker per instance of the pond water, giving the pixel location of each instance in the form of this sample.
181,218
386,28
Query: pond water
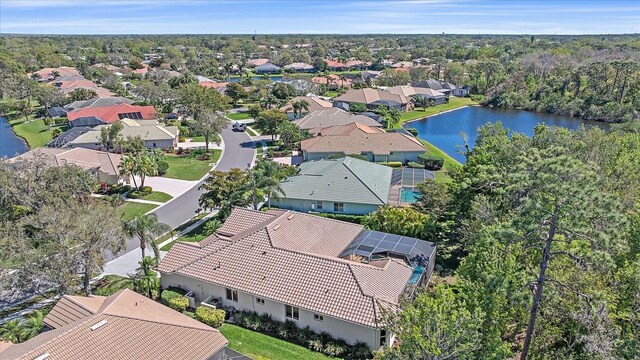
10,144
444,130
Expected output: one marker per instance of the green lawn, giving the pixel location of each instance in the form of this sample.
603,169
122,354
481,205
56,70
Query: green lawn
331,94
252,131
239,116
454,103
157,196
265,347
449,162
129,210
194,235
189,168
36,132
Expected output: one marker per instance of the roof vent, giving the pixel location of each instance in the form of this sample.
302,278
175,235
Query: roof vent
98,325
276,227
42,357
290,217
264,252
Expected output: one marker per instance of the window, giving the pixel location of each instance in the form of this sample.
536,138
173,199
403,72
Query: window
292,312
232,295
260,301
338,207
318,317
319,205
383,337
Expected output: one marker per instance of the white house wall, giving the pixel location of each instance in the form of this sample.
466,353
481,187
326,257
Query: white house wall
348,331
304,205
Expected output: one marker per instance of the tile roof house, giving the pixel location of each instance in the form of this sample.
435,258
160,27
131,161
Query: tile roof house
97,102
315,103
373,98
346,185
47,74
257,62
299,67
332,81
153,135
335,65
304,268
376,146
413,91
102,165
125,325
332,116
113,113
267,68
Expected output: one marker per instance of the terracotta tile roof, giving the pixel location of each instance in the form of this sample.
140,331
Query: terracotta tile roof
299,66
110,114
63,71
290,259
369,96
359,141
142,71
257,62
333,116
70,309
346,129
85,158
315,103
126,326
242,220
334,64
332,79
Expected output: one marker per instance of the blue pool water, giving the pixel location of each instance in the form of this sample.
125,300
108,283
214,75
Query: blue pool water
409,195
417,273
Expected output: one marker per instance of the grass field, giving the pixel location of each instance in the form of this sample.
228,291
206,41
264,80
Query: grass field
36,133
454,103
449,162
157,196
239,116
331,93
189,168
265,347
130,210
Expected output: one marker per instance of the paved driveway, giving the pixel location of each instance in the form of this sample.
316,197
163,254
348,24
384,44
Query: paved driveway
173,187
238,150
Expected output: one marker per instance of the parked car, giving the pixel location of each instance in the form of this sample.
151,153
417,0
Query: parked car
171,116
239,127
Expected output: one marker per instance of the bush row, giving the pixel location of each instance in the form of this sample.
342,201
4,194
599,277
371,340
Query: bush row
356,219
306,337
175,299
393,164
431,162
210,316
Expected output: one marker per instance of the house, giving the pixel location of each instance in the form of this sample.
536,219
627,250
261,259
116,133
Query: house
299,67
112,113
142,71
375,145
334,65
304,268
102,165
373,98
125,325
56,112
402,64
267,68
346,185
97,102
155,136
435,97
357,64
441,86
314,103
460,91
332,116
332,81
48,74
257,62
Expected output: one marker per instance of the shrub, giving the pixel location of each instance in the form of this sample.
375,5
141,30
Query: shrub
477,98
181,139
355,156
179,151
163,166
356,219
209,316
415,165
412,131
431,162
147,190
267,324
135,194
393,164
288,330
179,303
360,351
315,345
171,293
335,348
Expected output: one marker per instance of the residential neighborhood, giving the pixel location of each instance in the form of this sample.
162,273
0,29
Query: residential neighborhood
343,180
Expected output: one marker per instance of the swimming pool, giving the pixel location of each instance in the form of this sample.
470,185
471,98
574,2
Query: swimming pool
409,195
417,273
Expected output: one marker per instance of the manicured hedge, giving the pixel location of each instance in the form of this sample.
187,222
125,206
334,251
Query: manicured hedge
210,316
431,162
393,164
356,219
180,303
415,165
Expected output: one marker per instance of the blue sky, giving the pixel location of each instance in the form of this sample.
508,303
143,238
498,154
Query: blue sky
319,16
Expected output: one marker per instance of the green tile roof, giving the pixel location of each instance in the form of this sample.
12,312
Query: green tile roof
346,180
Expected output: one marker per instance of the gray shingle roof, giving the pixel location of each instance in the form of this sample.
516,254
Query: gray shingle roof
343,180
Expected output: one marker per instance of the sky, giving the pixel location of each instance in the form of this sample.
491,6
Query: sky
319,16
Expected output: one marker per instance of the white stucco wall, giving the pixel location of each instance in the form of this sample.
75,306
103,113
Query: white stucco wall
304,205
338,328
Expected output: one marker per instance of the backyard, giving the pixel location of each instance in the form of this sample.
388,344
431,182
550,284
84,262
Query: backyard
454,103
189,167
35,132
265,347
450,163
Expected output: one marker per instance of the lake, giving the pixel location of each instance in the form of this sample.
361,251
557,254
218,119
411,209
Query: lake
444,130
10,144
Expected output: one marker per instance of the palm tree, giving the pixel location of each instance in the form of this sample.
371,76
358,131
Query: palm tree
272,174
342,78
146,166
147,229
394,117
13,331
128,168
302,105
255,179
228,68
34,325
146,280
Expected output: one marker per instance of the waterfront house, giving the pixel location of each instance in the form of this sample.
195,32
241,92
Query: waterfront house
373,98
346,185
155,136
322,273
267,68
314,103
299,67
333,116
112,113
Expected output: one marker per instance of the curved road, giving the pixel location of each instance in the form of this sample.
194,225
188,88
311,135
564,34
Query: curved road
238,153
